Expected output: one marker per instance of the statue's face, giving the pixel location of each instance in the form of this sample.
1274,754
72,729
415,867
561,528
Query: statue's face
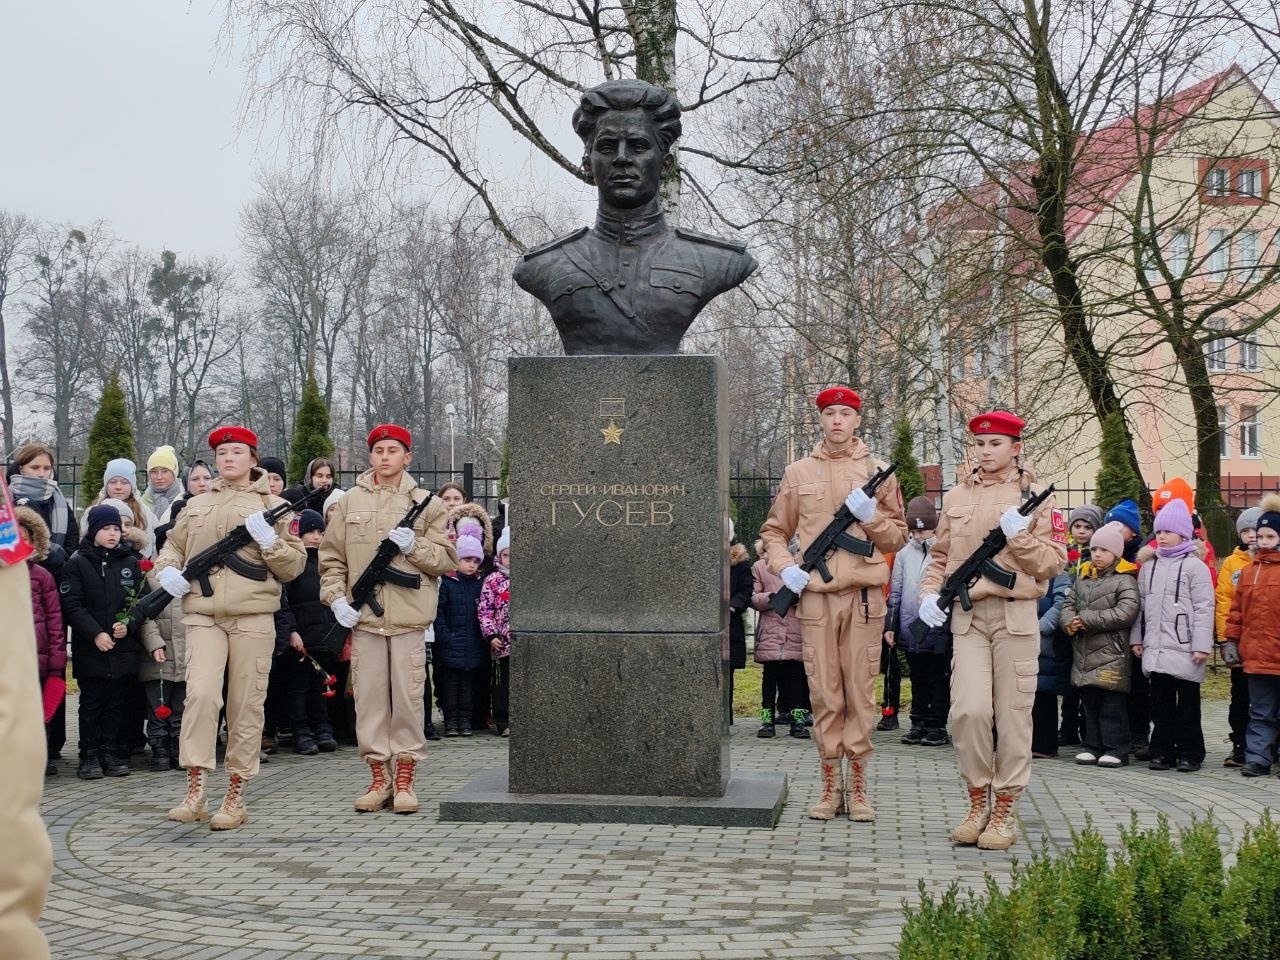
626,158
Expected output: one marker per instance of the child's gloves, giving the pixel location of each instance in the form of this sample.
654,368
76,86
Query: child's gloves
1231,653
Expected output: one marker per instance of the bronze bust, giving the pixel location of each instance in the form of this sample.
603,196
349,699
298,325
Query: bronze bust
631,283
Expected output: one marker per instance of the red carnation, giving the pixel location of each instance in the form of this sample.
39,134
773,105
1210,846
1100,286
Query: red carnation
330,680
163,712
146,565
505,596
330,693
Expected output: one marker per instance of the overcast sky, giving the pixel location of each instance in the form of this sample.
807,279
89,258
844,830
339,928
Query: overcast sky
123,110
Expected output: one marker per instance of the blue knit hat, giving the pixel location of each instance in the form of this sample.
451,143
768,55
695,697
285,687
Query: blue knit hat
99,517
122,469
1126,512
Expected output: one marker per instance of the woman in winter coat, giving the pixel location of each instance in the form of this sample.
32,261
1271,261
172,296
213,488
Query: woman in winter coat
779,650
1174,637
1053,671
46,610
33,483
1099,610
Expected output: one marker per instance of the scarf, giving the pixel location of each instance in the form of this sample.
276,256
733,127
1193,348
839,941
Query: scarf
161,500
41,490
1181,550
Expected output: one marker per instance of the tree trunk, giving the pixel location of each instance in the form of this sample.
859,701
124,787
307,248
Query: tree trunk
6,389
653,30
1204,409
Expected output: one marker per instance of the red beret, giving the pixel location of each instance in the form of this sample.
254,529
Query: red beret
998,421
842,395
389,431
232,435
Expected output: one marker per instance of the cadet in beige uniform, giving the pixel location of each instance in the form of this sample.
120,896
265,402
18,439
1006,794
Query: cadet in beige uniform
840,621
388,652
232,631
997,643
27,860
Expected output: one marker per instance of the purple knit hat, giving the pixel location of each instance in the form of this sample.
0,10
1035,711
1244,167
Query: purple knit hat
1176,518
469,547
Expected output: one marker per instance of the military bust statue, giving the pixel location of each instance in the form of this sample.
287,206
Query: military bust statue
631,283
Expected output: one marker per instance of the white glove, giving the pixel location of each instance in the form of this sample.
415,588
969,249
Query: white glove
264,535
345,613
860,505
174,582
930,612
1013,523
794,578
403,537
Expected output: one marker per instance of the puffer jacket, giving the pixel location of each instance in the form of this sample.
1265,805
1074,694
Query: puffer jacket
495,611
208,518
1107,603
812,490
97,585
1228,577
973,508
1254,620
459,643
303,612
777,638
739,602
1055,649
361,521
46,609
1176,616
172,633
909,565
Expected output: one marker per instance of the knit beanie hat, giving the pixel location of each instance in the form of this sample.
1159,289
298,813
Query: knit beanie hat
1110,536
504,541
469,547
98,517
309,520
165,456
273,465
1175,489
1248,519
921,514
1270,512
333,498
124,470
1175,518
1089,514
470,527
120,507
1126,512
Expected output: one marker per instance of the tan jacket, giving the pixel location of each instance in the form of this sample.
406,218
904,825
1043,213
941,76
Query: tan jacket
812,490
362,521
208,518
969,512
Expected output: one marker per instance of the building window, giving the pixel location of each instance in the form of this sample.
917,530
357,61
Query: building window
1249,183
1216,182
1215,353
1246,255
1224,438
1179,253
1249,440
1249,351
1218,255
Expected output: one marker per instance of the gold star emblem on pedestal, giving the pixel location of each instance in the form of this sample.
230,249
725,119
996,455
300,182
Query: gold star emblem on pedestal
613,433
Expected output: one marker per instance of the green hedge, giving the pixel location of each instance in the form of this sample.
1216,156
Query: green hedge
1161,896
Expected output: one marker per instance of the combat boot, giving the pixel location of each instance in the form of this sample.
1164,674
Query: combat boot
195,808
831,803
1002,830
856,803
233,812
406,801
380,791
975,822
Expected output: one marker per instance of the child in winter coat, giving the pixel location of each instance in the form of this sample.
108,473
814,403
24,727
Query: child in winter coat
119,482
307,622
1173,636
739,603
51,636
495,624
460,648
1253,636
100,582
779,650
1228,577
1052,672
1082,523
1126,514
1101,606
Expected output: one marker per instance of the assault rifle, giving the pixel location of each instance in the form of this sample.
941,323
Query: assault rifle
834,537
378,572
981,563
224,553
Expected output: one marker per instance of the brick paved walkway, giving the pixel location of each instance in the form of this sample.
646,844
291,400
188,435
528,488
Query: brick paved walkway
309,878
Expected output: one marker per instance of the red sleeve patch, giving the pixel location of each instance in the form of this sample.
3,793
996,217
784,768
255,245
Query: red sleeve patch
1059,528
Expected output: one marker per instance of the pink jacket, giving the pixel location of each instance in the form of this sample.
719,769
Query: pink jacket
777,638
51,635
495,611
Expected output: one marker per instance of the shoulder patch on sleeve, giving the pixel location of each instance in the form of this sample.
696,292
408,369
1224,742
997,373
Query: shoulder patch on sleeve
558,242
1059,528
696,237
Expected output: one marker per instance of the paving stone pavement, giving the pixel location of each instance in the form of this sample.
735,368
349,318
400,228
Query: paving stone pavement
310,878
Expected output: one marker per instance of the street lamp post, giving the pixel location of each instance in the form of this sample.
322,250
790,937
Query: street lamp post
450,411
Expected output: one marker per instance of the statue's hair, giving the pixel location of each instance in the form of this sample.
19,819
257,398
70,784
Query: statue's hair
660,104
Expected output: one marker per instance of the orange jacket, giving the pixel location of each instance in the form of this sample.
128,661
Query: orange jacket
1254,622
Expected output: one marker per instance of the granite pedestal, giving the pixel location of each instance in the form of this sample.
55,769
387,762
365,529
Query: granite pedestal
618,488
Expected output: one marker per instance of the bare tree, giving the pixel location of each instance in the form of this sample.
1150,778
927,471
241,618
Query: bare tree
16,234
